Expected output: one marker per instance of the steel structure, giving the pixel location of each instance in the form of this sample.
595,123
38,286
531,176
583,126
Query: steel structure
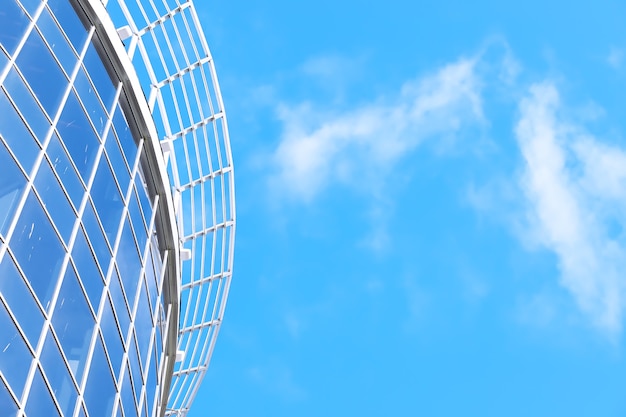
163,118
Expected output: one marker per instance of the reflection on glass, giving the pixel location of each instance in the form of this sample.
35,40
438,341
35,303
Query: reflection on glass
58,375
99,75
125,136
117,161
69,21
42,73
87,269
14,351
65,171
21,300
29,108
73,322
11,184
51,32
99,391
39,399
119,302
54,200
130,408
135,367
90,100
128,262
17,136
96,237
107,200
143,323
112,338
13,22
78,136
37,249
139,227
151,382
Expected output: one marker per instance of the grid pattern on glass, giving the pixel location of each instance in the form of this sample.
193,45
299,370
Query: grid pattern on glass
67,158
176,71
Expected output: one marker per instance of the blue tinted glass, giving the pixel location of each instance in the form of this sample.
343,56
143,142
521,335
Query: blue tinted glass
42,73
37,249
89,98
17,136
138,225
78,136
58,375
151,382
64,169
99,75
112,338
119,303
21,300
99,391
69,21
56,40
13,22
96,237
39,402
6,401
128,262
88,270
29,108
151,278
146,207
117,161
135,367
54,200
125,136
130,408
143,324
14,351
107,200
12,182
73,322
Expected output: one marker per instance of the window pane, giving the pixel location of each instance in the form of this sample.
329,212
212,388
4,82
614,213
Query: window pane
6,401
17,136
64,169
129,263
42,73
21,300
69,21
99,75
58,375
112,338
88,270
99,391
37,249
117,161
12,183
54,200
130,408
119,303
73,323
96,237
78,136
107,200
14,351
56,40
39,402
13,22
89,98
125,136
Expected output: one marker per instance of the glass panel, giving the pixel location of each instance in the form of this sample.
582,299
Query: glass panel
129,263
12,183
54,200
137,221
130,408
13,22
6,401
25,101
58,376
99,391
117,161
37,249
135,368
21,300
143,324
39,402
119,303
99,75
151,382
89,98
17,136
88,271
65,171
51,32
69,21
125,136
78,136
107,200
96,237
73,323
42,73
14,351
112,338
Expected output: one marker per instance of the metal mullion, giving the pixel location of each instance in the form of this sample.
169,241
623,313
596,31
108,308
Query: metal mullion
208,230
209,176
176,107
191,37
146,57
163,18
207,279
21,43
38,161
183,71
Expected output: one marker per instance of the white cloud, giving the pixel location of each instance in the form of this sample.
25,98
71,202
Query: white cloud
319,147
575,188
616,57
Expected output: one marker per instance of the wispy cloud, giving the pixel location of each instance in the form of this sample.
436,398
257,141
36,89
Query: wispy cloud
575,188
359,146
615,58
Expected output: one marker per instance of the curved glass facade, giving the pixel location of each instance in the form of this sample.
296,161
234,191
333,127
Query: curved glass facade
116,209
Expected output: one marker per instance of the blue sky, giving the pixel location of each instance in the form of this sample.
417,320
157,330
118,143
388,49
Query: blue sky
431,201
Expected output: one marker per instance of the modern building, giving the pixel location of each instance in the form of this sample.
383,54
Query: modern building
117,208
